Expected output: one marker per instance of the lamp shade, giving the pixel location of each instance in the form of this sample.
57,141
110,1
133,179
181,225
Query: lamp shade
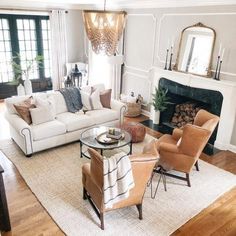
104,30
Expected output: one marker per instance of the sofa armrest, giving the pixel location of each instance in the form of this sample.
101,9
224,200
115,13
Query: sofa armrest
120,107
23,129
167,147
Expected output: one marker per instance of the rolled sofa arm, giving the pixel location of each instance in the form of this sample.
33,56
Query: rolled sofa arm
120,107
22,129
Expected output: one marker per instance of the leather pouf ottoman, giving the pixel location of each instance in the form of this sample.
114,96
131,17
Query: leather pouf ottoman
137,131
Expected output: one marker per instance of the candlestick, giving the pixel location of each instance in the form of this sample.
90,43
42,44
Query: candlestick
220,49
167,53
217,66
170,65
223,52
218,75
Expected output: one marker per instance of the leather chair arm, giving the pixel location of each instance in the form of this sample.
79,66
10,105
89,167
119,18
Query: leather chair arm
167,147
177,134
143,158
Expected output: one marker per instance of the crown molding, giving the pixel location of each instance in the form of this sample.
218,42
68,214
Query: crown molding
112,4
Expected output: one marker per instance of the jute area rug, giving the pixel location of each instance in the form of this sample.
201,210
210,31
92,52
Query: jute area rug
54,176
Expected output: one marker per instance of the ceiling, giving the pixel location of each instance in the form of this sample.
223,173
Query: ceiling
111,4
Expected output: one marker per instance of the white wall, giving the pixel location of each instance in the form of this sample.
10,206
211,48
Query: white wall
147,33
75,36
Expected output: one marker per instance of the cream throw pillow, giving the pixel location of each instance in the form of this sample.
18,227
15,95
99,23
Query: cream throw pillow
44,111
91,101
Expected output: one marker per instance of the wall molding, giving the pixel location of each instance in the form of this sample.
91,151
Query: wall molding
188,14
140,77
154,40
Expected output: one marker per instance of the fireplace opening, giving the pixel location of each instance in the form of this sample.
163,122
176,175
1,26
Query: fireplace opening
185,103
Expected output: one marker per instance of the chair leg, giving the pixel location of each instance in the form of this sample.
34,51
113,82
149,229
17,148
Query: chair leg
102,220
140,211
84,194
188,180
197,167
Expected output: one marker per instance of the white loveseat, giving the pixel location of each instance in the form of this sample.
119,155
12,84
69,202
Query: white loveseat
66,128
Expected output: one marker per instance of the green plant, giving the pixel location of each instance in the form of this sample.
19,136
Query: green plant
160,99
24,72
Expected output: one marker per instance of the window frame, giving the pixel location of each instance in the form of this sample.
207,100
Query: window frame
14,41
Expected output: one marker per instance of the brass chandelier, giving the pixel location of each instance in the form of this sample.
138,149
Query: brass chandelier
104,29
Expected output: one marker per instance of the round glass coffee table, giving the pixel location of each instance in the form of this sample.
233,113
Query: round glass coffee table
88,139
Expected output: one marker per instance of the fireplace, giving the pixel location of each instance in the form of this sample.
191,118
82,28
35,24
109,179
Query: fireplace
208,91
185,103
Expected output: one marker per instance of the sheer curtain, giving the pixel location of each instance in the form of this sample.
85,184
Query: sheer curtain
106,70
58,47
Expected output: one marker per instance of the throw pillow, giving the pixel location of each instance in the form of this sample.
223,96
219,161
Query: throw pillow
23,109
91,101
105,98
44,111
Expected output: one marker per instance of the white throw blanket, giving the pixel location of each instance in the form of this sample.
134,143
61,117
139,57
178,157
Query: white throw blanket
118,179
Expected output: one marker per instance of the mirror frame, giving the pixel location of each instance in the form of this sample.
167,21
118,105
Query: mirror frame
209,72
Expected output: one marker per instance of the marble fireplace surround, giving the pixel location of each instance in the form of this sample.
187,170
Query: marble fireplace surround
226,88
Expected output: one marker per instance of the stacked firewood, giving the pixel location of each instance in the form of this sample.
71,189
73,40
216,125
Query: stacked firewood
184,114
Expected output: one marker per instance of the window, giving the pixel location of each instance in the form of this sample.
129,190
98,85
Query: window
5,52
26,36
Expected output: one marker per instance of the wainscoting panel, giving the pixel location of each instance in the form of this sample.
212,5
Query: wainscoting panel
140,41
138,84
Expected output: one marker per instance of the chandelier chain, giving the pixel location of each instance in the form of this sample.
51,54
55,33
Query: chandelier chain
104,5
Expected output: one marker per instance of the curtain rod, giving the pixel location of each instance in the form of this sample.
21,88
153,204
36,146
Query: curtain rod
21,9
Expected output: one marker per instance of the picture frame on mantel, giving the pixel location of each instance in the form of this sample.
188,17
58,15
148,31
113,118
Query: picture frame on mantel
186,49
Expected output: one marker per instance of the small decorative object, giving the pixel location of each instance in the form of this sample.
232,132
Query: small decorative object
28,87
20,90
68,82
167,55
171,55
76,68
159,102
219,63
132,94
104,29
139,99
111,131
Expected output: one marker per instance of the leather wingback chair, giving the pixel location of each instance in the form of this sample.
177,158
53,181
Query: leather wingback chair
92,177
181,150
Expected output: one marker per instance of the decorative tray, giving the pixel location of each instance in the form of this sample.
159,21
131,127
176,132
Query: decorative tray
103,139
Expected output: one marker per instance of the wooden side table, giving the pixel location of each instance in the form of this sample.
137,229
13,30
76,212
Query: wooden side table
5,224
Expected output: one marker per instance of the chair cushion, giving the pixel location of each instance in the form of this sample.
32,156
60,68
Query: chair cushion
48,129
103,115
75,121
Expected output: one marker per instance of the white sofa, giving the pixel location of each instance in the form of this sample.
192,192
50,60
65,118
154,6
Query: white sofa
66,128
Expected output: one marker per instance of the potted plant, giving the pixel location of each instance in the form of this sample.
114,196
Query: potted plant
159,102
24,73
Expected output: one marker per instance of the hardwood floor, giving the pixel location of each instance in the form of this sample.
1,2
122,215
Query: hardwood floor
28,217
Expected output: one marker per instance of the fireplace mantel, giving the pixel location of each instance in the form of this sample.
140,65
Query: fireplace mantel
226,88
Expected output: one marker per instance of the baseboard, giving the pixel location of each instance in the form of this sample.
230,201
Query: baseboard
232,148
146,113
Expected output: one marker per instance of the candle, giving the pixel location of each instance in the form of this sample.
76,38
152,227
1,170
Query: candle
220,49
168,44
222,55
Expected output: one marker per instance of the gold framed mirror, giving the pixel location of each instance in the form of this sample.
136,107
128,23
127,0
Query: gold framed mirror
195,50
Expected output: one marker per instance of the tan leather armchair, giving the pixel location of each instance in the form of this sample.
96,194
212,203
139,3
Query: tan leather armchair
92,177
182,155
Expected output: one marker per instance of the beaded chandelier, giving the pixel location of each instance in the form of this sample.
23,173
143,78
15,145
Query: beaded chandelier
104,29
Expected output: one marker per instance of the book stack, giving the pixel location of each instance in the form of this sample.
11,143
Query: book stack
115,135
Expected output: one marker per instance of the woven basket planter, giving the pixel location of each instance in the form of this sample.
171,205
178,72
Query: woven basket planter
133,109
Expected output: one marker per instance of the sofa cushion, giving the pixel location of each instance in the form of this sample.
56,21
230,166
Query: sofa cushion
75,121
104,115
60,104
48,129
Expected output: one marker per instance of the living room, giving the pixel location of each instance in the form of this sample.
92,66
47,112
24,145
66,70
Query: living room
117,117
